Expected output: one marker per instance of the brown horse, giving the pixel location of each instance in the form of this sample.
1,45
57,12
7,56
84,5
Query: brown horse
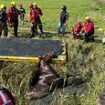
101,99
47,79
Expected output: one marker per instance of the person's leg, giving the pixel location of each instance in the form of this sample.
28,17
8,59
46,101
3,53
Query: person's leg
59,28
40,25
1,28
91,37
32,31
36,29
22,19
63,29
86,37
15,24
5,28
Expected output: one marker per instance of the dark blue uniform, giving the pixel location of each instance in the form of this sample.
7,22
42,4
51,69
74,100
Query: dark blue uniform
22,14
3,22
62,21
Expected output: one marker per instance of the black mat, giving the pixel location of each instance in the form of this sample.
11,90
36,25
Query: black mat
29,47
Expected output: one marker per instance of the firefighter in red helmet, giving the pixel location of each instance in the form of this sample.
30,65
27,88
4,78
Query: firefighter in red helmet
33,15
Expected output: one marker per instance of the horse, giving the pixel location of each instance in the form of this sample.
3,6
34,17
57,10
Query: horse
47,79
101,99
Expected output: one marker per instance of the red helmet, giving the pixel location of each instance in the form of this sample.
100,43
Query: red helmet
30,5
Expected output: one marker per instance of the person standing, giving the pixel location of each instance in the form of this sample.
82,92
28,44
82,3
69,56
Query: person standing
3,21
33,19
22,13
38,21
13,14
63,20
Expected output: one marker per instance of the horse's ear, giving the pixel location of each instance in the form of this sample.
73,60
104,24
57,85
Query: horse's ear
48,57
40,57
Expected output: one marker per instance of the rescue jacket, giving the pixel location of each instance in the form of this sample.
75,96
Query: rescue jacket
33,15
89,27
39,11
5,98
13,13
77,28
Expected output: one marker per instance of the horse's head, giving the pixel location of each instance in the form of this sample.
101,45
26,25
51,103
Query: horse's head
47,58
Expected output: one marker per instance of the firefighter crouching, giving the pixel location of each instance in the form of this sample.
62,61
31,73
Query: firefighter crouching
3,21
38,21
88,30
32,18
13,14
77,30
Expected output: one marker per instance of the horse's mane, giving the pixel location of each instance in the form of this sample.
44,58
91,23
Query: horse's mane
47,59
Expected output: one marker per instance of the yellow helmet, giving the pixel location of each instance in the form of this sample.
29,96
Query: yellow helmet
87,18
2,6
13,3
34,4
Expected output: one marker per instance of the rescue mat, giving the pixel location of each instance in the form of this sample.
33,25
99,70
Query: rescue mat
18,49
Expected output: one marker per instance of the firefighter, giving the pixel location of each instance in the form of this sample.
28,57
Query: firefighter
63,20
88,30
33,15
13,14
6,97
3,21
38,22
22,13
77,29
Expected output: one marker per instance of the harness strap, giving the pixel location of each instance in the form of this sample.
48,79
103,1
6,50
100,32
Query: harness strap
5,101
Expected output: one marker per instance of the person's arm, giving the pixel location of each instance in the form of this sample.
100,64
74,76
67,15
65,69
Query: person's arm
89,28
67,16
24,11
40,12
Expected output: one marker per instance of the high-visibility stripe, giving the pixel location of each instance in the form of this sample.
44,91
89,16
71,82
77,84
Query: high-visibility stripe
5,101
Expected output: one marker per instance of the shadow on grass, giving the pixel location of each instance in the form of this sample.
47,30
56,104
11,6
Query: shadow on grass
24,34
51,34
98,41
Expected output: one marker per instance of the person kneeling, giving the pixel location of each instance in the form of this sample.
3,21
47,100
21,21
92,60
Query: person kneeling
76,30
88,30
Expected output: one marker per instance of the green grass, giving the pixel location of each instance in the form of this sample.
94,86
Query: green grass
86,61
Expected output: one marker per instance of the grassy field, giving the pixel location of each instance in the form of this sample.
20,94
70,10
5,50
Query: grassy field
86,60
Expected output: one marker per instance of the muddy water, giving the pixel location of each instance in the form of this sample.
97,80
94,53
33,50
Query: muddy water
70,90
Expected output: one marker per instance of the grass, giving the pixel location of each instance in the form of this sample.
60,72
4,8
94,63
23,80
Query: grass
86,60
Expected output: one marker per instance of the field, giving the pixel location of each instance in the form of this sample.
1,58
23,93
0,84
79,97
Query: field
86,60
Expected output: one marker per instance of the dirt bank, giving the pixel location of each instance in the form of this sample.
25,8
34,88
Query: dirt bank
103,1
